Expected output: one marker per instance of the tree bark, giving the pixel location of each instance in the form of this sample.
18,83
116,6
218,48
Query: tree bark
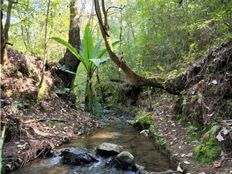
5,31
176,85
2,36
69,60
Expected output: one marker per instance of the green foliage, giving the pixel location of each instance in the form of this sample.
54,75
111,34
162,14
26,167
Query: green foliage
16,104
229,106
53,123
62,90
156,135
27,26
192,132
143,120
65,69
164,36
8,92
209,149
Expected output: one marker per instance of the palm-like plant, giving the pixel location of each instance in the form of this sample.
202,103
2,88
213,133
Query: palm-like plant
91,56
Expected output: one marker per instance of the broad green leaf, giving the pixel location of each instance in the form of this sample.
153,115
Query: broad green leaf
65,69
97,48
97,62
87,44
70,48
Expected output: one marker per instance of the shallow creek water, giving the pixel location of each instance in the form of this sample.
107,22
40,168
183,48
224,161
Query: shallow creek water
118,132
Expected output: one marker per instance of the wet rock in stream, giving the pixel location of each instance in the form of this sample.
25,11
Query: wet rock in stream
108,149
110,158
74,156
125,160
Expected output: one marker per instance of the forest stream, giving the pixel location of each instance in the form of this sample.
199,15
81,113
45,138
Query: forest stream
117,131
116,87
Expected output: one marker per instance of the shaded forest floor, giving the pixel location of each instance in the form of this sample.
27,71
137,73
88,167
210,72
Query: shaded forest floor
36,127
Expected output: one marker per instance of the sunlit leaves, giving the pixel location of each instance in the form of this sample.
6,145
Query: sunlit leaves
87,46
90,54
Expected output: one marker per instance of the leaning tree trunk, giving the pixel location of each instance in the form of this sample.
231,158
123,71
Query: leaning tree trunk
196,72
69,60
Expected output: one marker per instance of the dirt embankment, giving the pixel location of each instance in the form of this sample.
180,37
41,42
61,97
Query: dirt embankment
180,118
35,127
179,135
183,119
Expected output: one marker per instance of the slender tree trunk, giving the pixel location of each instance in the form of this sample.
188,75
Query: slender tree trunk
5,31
69,60
45,51
89,93
2,36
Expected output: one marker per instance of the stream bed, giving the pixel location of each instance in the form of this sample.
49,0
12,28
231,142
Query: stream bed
118,132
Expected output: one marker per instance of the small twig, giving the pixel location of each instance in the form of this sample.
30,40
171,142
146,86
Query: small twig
58,120
114,7
7,43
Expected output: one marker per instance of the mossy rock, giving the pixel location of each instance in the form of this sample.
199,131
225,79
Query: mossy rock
209,150
125,160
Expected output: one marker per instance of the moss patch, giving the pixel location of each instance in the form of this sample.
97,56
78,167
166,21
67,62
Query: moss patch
209,149
143,120
42,91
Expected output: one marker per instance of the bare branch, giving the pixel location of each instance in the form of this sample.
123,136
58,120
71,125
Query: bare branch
104,13
114,7
99,17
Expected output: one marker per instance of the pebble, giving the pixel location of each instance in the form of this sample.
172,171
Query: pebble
187,162
189,154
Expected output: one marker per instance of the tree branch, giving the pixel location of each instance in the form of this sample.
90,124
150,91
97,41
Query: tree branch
111,7
99,17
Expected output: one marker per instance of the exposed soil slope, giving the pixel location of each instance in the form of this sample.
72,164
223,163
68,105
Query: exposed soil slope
34,128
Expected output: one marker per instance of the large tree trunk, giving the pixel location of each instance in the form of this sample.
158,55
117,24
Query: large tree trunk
69,60
4,32
218,57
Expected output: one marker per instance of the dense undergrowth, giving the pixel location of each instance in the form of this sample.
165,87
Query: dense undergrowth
209,149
